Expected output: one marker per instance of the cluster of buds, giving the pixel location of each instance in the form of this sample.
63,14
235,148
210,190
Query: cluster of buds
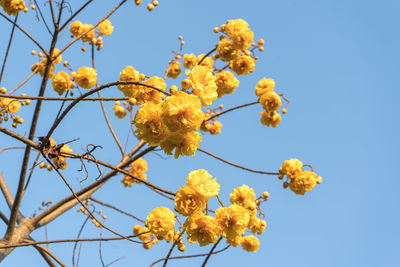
149,6
298,180
9,106
91,36
212,126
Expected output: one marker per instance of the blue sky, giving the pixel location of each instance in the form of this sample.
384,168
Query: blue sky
338,63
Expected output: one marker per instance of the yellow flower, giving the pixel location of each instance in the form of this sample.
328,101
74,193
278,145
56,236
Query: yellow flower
240,34
232,220
291,168
65,149
10,105
214,128
189,60
120,112
264,85
270,101
305,181
138,229
87,37
256,225
226,82
150,244
203,84
182,112
227,50
149,124
129,74
160,221
12,7
187,201
59,58
76,28
105,28
174,69
234,242
242,65
270,118
202,229
250,243
86,77
147,94
200,181
207,62
244,196
138,169
183,143
62,82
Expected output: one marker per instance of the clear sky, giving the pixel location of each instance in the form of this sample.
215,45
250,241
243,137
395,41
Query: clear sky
338,63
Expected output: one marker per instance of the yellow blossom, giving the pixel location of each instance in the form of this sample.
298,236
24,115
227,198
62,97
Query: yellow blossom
10,105
174,69
203,84
76,28
207,62
250,243
232,220
264,85
12,7
305,181
291,168
138,229
148,94
150,244
240,34
242,65
256,225
86,77
200,180
129,74
105,28
149,124
188,201
183,143
160,221
244,196
234,242
270,118
226,82
201,228
270,101
189,60
182,112
89,36
62,82
120,112
227,50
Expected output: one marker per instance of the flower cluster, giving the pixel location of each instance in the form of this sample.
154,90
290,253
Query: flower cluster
172,124
210,123
9,106
270,101
61,82
138,169
85,77
298,180
39,67
77,28
12,7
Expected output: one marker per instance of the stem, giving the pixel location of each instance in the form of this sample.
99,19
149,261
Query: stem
8,48
211,252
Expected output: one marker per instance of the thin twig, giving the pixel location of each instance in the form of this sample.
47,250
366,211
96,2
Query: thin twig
235,165
105,114
172,248
41,15
8,47
190,256
74,15
211,251
206,55
65,98
231,109
83,205
11,147
27,34
76,242
23,82
50,254
117,209
30,243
